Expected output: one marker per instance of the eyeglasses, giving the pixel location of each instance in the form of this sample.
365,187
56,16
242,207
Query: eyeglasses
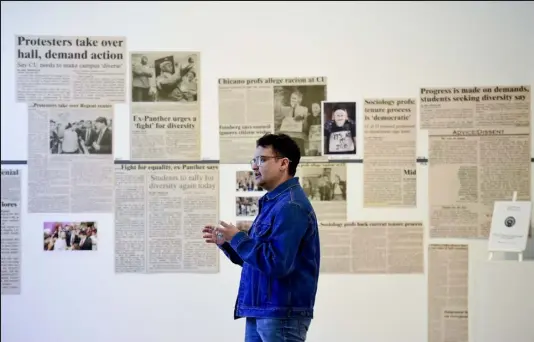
260,160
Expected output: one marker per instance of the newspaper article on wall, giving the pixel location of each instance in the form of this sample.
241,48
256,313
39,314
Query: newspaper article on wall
165,106
11,234
390,136
89,69
372,247
70,158
448,272
325,184
479,153
160,210
251,107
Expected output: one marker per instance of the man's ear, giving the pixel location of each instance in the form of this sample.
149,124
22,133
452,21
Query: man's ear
285,164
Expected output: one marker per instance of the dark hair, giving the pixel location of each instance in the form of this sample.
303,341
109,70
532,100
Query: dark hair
283,146
101,120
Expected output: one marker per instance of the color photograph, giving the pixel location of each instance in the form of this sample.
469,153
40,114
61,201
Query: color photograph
70,236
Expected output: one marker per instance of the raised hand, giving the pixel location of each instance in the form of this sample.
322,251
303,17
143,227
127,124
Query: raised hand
213,235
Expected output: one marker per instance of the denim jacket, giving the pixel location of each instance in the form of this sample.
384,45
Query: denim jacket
280,257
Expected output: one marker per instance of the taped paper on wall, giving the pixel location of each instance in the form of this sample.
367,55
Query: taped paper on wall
165,106
479,153
249,108
11,234
159,213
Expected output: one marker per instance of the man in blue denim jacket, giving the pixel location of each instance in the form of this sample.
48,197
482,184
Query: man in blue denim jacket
280,255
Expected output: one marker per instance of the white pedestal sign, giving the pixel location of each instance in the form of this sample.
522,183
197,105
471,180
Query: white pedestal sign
509,227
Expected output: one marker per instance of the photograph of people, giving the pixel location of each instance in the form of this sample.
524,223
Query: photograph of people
245,181
246,206
324,184
81,136
339,134
297,113
164,77
70,236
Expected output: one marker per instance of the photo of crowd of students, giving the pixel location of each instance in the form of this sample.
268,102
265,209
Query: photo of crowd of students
327,185
244,181
70,236
246,206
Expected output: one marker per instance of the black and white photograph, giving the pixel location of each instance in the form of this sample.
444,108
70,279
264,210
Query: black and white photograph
246,206
70,236
91,135
297,113
165,76
325,184
339,128
244,182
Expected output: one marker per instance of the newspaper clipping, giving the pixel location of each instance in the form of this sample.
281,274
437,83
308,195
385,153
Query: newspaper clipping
165,106
249,108
73,172
479,142
372,247
448,272
325,184
65,68
11,235
390,137
159,213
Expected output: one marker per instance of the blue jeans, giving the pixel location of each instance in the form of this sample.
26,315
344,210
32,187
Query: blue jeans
276,329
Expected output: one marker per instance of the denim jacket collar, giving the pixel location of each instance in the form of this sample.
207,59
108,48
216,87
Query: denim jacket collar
280,189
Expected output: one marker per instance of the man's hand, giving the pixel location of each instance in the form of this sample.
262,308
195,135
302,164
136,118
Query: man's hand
209,234
219,235
226,231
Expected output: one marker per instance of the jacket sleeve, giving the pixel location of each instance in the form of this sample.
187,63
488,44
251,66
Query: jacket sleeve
276,255
231,254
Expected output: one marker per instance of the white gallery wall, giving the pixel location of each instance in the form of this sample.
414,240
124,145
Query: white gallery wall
365,49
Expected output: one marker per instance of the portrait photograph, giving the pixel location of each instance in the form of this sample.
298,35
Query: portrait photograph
297,113
339,128
70,236
165,77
